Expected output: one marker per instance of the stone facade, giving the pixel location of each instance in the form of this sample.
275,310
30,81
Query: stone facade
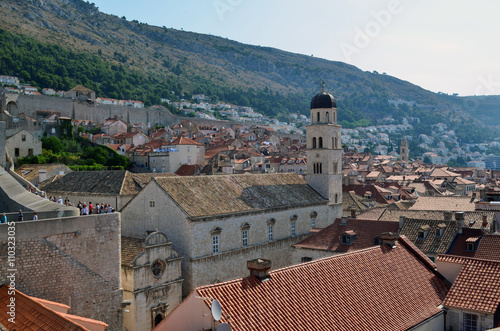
23,144
455,320
152,282
74,261
2,143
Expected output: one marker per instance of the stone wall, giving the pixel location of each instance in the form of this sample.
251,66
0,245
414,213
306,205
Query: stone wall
74,261
98,113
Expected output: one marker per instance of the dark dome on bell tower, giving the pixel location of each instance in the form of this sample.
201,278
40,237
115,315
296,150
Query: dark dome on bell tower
323,100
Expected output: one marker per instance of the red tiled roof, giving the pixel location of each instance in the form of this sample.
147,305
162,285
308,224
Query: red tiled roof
489,248
185,141
378,288
477,286
186,170
330,238
32,315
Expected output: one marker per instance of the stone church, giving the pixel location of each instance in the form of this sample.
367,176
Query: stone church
218,223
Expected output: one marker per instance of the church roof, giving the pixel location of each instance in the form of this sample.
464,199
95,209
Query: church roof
323,100
226,194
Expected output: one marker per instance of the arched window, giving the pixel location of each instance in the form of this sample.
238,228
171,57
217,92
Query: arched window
320,142
336,198
314,142
317,117
335,142
327,117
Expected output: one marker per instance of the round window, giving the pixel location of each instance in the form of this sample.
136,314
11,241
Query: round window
157,268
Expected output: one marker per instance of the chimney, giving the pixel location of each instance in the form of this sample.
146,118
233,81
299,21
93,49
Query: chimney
42,175
353,213
343,220
389,238
401,221
259,268
448,215
460,218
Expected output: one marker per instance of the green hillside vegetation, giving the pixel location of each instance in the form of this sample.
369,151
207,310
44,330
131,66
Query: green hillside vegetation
78,154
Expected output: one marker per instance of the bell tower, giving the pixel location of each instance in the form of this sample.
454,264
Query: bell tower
324,151
403,150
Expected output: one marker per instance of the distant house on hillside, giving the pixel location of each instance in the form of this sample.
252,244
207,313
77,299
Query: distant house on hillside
82,93
23,144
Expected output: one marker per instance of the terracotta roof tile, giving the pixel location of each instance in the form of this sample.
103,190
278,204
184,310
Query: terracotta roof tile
32,315
430,244
330,238
489,247
213,195
455,203
477,286
131,247
378,288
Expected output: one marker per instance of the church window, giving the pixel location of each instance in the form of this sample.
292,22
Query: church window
320,142
157,268
270,232
321,168
293,228
317,117
328,117
336,198
335,142
215,244
314,142
244,237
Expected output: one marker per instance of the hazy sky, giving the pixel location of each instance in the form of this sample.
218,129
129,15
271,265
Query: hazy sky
445,45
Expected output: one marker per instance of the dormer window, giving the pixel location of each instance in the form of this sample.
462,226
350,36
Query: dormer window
348,237
440,229
471,244
423,232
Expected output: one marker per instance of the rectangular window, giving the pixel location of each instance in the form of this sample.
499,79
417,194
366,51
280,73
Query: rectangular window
346,239
30,151
270,232
420,235
244,236
469,247
305,259
313,222
152,203
470,322
16,151
23,137
293,228
215,244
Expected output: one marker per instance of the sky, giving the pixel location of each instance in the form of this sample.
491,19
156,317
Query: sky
443,46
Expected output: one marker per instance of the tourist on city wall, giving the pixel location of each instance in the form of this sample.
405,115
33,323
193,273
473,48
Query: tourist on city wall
4,218
20,217
35,217
91,208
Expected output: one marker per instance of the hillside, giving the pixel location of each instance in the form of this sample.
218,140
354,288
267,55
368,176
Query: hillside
176,64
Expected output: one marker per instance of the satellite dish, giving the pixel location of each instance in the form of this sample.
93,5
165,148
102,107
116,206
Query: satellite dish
216,310
224,327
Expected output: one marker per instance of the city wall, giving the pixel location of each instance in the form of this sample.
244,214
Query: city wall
74,261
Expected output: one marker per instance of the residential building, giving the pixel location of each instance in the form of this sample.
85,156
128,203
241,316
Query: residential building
473,301
23,144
